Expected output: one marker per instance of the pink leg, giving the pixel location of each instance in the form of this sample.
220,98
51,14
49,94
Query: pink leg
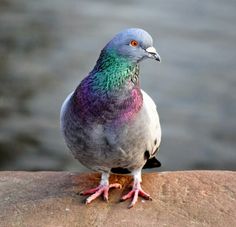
103,188
136,191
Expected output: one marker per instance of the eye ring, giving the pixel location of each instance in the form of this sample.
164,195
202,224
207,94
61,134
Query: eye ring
133,43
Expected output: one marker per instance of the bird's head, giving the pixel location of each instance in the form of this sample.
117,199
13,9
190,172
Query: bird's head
134,44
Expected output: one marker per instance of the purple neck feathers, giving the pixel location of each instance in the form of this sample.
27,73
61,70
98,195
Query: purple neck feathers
117,105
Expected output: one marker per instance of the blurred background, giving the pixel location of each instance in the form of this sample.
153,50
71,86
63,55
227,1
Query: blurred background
47,47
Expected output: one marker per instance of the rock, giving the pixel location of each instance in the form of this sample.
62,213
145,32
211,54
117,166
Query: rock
188,198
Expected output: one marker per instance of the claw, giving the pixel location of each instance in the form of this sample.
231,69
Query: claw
96,192
89,191
134,193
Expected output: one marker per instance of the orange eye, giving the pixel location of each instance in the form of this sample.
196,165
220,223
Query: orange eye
133,43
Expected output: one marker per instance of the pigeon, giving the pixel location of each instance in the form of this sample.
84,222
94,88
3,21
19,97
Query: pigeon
108,122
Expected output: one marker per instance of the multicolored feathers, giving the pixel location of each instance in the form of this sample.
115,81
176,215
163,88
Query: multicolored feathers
108,122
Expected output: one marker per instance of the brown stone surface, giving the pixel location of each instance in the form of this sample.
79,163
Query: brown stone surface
189,198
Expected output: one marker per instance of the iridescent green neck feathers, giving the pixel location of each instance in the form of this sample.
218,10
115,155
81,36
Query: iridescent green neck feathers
110,92
113,71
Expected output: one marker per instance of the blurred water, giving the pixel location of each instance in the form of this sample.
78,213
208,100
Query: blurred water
47,47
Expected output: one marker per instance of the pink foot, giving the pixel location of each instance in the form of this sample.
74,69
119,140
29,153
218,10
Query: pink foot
134,193
96,192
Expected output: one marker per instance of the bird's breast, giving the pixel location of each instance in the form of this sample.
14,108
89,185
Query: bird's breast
117,106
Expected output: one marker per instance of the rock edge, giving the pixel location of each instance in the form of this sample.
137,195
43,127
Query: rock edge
185,198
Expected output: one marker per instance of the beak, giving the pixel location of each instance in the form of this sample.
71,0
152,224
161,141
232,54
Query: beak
153,53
